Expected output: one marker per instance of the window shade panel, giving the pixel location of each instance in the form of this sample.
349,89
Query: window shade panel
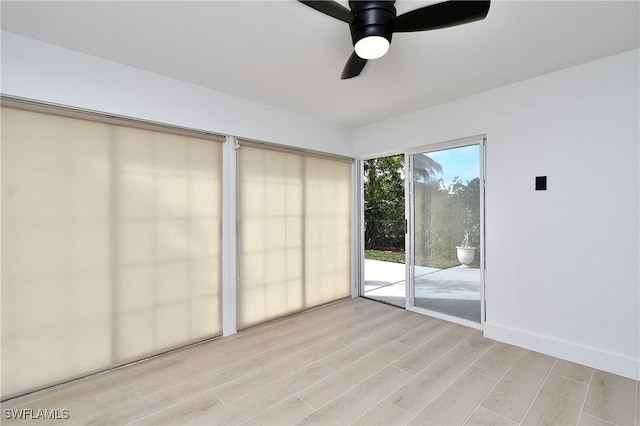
56,257
168,255
281,239
327,230
271,212
111,245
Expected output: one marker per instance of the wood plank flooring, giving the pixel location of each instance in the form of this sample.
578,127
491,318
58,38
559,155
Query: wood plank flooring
353,362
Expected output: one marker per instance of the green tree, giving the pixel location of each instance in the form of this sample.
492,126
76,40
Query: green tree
384,205
425,168
384,202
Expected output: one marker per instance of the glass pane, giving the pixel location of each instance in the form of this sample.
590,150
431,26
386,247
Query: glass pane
384,216
446,194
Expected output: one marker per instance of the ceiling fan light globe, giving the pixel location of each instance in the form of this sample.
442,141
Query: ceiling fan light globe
372,47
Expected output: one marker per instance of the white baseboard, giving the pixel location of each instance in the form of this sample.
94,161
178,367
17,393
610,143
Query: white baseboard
602,360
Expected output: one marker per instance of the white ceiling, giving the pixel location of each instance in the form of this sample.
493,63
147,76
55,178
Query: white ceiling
285,54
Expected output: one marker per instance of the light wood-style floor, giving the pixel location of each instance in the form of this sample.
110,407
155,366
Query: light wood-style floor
352,362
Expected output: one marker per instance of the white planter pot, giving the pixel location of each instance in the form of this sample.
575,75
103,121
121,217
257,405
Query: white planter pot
466,255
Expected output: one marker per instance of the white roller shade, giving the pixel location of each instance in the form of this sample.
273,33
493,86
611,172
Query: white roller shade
294,221
327,230
167,232
56,254
110,245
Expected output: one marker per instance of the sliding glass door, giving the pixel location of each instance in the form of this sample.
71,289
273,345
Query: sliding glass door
445,192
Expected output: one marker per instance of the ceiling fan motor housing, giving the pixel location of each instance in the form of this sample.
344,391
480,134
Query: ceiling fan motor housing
372,18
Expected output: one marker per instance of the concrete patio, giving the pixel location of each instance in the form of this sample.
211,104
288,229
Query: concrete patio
454,291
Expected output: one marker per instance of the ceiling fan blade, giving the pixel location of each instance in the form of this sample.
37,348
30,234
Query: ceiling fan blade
353,67
441,15
331,8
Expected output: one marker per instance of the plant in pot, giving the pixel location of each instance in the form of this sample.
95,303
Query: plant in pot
466,253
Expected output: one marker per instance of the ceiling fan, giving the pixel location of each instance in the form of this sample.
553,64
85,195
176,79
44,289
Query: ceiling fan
372,23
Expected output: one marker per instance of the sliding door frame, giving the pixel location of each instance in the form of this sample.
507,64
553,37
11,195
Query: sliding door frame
409,241
359,238
479,140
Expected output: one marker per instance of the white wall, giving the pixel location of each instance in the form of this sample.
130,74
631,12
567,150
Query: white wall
563,272
36,70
